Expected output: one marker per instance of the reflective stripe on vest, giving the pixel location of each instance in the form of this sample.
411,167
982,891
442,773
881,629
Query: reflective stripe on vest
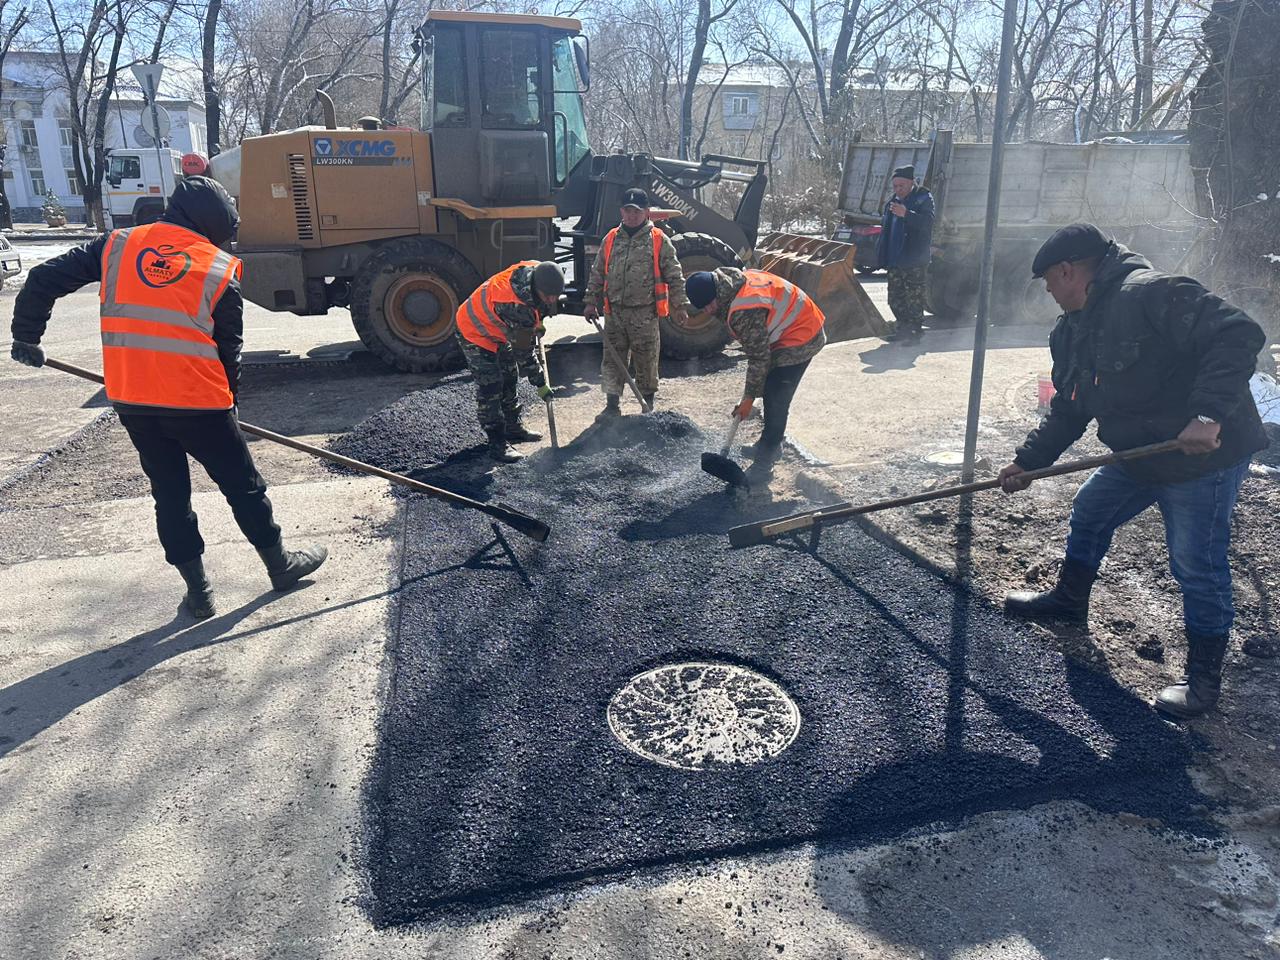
793,317
661,290
478,319
160,284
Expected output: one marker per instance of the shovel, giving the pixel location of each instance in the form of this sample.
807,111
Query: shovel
622,365
720,466
751,534
551,410
533,528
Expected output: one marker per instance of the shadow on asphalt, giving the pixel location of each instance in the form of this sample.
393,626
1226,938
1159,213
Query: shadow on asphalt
943,337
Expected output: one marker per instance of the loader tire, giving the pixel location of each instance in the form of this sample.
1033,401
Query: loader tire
697,251
403,302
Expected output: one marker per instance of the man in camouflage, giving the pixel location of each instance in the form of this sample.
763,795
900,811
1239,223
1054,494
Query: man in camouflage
906,236
780,340
497,372
629,293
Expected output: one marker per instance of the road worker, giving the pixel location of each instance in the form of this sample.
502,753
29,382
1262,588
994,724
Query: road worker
171,319
498,327
634,278
781,331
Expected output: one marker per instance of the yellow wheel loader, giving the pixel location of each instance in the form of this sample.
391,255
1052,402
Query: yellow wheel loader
400,225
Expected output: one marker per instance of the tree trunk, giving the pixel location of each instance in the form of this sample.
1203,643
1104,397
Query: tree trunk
212,104
1235,152
702,28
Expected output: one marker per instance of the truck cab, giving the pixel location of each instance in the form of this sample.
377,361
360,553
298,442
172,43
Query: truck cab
137,183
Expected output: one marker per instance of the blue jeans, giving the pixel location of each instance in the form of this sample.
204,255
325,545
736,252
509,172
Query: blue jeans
1197,529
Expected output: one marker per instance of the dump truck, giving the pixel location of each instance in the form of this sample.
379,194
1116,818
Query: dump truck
1141,193
137,183
400,225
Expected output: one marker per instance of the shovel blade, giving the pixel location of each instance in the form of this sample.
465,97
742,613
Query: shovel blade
722,468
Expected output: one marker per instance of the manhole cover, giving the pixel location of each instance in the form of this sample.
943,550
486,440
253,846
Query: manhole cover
945,458
703,715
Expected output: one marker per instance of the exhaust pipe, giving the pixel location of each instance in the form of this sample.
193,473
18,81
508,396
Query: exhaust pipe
326,107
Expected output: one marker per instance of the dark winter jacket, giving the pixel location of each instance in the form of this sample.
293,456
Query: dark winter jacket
199,205
1146,354
906,241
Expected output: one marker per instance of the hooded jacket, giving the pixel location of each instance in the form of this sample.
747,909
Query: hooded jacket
1146,354
197,204
907,241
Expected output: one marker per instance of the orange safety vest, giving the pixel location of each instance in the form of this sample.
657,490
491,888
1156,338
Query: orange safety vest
160,283
793,317
478,319
661,298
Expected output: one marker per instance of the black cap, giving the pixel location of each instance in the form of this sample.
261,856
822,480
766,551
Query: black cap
1079,241
547,279
635,197
906,173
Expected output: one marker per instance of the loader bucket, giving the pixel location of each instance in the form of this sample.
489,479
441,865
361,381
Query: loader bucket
824,269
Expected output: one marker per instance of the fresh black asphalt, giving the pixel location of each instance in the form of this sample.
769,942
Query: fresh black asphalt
498,777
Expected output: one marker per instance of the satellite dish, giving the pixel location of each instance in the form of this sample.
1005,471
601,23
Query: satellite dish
142,138
159,118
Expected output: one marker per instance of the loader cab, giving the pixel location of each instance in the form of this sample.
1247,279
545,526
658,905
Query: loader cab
503,104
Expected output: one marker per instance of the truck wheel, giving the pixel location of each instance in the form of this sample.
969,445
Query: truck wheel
697,251
404,299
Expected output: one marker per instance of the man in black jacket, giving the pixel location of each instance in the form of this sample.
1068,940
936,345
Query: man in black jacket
906,238
165,435
1151,357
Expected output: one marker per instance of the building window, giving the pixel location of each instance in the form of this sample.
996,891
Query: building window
739,105
736,146
38,188
73,183
66,134
27,134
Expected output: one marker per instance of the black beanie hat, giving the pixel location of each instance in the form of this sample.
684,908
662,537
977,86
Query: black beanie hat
906,173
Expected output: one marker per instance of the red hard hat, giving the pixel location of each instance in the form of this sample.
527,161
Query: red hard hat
194,165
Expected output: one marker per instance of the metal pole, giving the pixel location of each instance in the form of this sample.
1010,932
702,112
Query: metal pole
989,239
160,157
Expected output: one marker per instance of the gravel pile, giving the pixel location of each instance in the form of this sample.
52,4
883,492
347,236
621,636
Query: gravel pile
498,776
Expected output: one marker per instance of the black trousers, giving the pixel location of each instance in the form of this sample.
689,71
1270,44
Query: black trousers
779,387
214,440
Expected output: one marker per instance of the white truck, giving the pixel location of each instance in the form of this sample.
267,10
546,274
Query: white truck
1141,193
137,183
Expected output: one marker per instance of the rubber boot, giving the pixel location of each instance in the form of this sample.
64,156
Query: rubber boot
612,407
287,567
1197,692
761,450
648,401
199,599
518,433
1068,601
499,450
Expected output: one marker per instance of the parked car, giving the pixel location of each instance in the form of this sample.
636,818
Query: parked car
10,261
866,237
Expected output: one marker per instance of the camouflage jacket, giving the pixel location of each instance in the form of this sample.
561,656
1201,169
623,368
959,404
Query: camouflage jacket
751,327
631,272
524,322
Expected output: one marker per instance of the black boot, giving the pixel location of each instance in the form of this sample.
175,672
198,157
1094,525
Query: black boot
612,407
648,401
199,599
499,450
1197,692
518,433
1069,600
287,567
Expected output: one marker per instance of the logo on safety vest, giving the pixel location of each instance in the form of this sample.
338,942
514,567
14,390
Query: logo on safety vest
162,267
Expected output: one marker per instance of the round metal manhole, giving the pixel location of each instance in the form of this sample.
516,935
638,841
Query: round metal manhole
699,716
945,458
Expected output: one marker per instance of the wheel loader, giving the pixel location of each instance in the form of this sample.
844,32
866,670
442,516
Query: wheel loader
401,225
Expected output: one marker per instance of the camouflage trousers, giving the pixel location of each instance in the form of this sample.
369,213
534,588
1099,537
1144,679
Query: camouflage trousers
908,289
497,376
633,332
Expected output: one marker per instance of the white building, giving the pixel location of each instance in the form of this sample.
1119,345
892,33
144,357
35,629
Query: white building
40,137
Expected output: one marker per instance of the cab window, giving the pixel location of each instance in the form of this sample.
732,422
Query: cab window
446,80
125,168
571,123
510,80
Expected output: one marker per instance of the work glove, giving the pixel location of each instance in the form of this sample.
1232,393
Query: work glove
591,311
743,410
546,392
29,353
537,379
